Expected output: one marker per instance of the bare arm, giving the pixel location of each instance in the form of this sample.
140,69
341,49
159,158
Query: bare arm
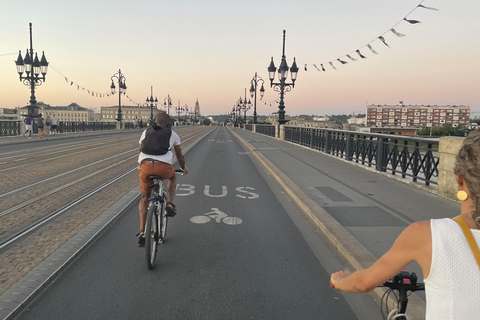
414,243
180,158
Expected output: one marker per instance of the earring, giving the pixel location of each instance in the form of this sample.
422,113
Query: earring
462,195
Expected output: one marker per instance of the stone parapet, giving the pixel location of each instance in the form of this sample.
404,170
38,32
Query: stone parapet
447,184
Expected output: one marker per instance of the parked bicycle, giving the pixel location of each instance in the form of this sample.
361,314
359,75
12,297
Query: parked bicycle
401,286
156,224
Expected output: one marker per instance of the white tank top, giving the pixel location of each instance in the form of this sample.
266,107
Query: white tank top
452,288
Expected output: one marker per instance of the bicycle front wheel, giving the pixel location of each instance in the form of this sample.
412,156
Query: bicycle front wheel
151,235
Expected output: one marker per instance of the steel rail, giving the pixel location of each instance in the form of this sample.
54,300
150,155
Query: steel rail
55,214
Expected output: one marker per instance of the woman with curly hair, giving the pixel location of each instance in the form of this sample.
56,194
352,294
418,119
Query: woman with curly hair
450,264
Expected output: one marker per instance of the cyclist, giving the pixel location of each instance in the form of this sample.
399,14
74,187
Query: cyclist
156,158
452,276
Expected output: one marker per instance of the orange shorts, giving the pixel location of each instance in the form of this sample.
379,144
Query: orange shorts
148,168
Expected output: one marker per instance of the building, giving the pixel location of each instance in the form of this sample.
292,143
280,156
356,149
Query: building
73,112
416,116
8,114
129,113
197,109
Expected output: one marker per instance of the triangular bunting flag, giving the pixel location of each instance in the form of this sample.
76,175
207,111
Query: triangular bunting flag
429,8
370,47
331,63
321,65
351,58
361,55
398,34
383,40
316,67
342,62
305,67
411,21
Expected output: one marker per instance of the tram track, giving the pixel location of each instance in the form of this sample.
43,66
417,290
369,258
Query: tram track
22,233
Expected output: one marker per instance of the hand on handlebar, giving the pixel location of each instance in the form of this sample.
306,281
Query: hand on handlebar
337,276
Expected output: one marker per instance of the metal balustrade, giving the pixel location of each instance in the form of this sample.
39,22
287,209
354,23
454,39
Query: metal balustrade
268,130
412,157
14,128
9,128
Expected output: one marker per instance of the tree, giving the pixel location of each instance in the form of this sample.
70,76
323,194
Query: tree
206,122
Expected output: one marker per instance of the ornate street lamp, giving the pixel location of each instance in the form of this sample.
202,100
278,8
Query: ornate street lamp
153,103
282,86
32,68
244,106
179,112
122,88
253,92
167,104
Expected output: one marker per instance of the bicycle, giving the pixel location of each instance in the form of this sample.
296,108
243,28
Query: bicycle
156,224
402,283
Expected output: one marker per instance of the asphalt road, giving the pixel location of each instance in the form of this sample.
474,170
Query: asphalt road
238,249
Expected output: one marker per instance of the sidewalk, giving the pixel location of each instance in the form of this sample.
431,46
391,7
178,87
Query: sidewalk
359,211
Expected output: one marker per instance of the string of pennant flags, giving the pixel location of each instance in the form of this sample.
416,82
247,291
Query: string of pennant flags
352,56
91,92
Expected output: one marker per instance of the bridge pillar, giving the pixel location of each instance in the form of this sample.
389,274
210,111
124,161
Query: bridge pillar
447,183
280,132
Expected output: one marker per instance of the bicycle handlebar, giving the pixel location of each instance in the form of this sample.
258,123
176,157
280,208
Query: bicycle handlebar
406,281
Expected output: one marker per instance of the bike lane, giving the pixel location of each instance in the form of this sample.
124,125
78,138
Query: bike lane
232,252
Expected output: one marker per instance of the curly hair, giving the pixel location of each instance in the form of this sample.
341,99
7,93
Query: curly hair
467,166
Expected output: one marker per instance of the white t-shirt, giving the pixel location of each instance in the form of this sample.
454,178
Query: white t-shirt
54,121
452,288
168,157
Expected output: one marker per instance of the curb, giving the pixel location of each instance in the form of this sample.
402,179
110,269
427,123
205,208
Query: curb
345,245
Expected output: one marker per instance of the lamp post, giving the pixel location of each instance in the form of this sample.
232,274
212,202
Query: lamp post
33,68
167,104
243,105
282,86
253,94
153,103
179,111
122,88
185,108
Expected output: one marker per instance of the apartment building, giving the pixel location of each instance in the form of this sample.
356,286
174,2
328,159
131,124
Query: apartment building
129,113
417,116
73,112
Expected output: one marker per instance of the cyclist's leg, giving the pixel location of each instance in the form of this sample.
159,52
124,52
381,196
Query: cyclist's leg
145,172
142,210
172,186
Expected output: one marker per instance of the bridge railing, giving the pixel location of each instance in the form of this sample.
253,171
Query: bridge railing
9,128
268,130
14,128
405,156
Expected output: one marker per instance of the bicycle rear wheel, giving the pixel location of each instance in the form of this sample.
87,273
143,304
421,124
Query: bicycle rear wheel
151,235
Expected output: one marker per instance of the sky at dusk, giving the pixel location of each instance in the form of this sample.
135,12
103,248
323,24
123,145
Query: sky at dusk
211,49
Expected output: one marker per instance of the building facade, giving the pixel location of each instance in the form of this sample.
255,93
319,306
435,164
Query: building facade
73,112
129,113
197,109
416,116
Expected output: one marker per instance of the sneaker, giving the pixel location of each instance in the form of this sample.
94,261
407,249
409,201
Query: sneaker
141,239
171,209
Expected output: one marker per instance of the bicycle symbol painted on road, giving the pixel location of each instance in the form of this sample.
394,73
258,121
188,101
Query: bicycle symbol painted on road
218,215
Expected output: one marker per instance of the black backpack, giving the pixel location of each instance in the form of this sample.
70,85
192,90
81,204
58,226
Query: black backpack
156,141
